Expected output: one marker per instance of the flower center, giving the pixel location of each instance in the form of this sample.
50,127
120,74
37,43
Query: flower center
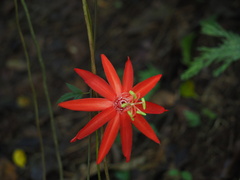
127,102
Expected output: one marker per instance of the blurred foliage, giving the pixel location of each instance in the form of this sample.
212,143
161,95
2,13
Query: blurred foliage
186,46
122,175
23,101
155,129
186,175
147,73
19,158
225,54
187,89
192,118
75,94
208,113
176,174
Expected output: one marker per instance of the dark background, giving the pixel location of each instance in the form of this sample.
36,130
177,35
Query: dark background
149,32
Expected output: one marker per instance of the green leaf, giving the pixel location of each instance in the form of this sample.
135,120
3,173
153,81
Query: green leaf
154,128
66,97
118,139
223,55
212,28
173,172
149,72
75,94
186,46
186,175
122,175
74,88
187,89
192,118
210,114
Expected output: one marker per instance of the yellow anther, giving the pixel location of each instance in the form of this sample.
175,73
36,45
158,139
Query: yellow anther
142,113
133,94
143,103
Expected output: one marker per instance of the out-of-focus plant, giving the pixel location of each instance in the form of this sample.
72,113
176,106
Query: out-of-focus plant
19,158
186,46
122,175
187,89
192,118
144,74
177,174
224,54
75,94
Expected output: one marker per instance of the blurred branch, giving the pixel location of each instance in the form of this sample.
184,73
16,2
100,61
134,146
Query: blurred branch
40,59
35,102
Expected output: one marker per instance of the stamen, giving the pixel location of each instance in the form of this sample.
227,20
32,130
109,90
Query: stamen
143,103
131,115
142,113
133,94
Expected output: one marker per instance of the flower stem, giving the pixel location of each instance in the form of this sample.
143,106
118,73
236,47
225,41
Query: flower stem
90,33
91,38
89,157
97,144
35,102
40,59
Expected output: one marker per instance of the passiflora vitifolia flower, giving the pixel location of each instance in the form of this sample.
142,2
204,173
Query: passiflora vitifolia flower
121,106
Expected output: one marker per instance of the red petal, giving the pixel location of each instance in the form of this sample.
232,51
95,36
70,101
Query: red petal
88,104
111,75
126,135
145,86
97,84
95,123
143,126
152,108
128,76
108,137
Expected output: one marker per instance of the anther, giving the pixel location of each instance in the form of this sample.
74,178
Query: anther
133,94
142,113
143,103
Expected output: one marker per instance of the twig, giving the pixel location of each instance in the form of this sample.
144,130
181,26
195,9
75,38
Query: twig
35,102
40,59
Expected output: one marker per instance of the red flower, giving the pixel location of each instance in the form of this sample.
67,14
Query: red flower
121,106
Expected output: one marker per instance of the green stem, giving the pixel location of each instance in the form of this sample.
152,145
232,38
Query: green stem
106,169
105,163
90,35
40,59
35,102
89,157
97,145
91,38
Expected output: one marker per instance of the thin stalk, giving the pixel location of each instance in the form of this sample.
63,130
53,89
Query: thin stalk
89,157
95,23
106,168
34,96
98,166
40,59
90,35
105,163
91,38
